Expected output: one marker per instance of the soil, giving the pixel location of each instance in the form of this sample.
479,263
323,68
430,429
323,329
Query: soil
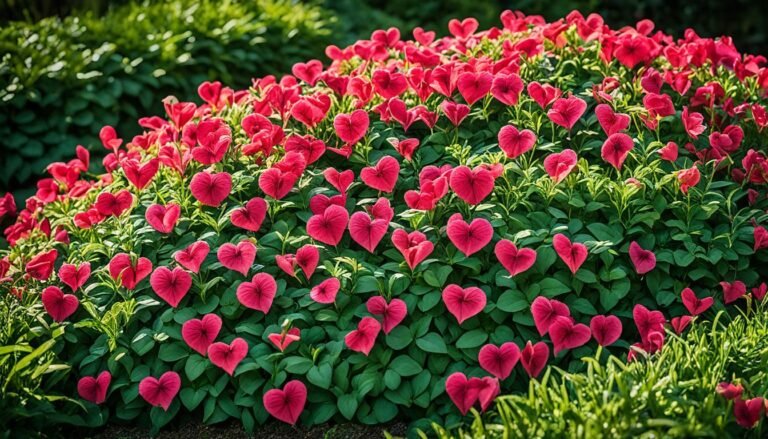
234,431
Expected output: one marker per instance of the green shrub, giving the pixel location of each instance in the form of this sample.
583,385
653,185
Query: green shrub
65,79
29,368
669,395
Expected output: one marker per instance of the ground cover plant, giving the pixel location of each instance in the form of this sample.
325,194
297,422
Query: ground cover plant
387,236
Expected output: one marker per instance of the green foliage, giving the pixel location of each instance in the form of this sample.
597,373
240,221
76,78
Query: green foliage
65,79
671,394
29,369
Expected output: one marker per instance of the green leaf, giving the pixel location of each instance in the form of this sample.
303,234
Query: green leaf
437,275
321,375
191,398
433,343
405,366
472,339
195,366
172,352
399,338
347,405
512,301
551,287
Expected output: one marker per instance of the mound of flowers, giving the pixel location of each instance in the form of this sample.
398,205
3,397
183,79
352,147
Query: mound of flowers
406,232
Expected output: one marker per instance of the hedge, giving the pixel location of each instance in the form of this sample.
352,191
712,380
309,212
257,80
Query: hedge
63,79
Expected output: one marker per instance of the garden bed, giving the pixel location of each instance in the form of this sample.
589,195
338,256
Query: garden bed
404,234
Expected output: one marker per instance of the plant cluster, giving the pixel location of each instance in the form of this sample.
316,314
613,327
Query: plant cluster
679,393
391,234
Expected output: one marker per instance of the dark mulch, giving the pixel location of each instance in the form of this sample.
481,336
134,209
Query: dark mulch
271,430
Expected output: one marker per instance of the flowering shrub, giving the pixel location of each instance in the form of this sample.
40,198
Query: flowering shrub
391,234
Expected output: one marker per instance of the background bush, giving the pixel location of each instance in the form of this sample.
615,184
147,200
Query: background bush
63,79
744,20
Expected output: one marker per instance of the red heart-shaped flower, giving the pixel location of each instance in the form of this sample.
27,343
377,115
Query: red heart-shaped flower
499,360
238,257
648,322
413,246
170,285
462,391
259,293
363,338
693,304
392,313
643,260
472,185
210,188
284,339
228,356
277,183
534,357
325,291
515,143
75,276
559,165
122,267
545,311
543,94
567,111
339,180
163,218
288,403
616,148
605,329
382,176
469,238
507,88
474,86
250,216
160,392
366,231
610,121
140,175
328,227
513,259
573,254
351,127
57,304
193,256
463,303
200,333
94,389
108,204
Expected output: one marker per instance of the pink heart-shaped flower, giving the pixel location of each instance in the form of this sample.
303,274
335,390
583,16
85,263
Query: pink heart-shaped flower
200,333
57,304
499,360
513,259
193,256
469,238
463,303
286,404
259,293
160,392
228,356
238,257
